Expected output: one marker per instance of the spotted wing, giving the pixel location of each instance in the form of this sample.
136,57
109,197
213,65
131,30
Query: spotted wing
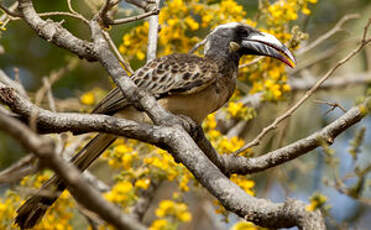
173,74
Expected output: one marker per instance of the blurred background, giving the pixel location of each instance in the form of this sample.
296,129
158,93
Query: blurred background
312,175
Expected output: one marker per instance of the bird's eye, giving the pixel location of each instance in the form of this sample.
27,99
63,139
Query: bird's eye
243,33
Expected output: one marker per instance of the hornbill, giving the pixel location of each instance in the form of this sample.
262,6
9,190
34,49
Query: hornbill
183,84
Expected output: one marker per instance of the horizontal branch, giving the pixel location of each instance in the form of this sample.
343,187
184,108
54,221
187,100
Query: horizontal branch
178,142
242,165
49,122
134,18
44,148
171,136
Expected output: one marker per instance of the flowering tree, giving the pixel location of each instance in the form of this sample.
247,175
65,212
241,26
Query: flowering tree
142,163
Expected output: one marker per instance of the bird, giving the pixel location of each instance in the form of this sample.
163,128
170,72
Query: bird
183,84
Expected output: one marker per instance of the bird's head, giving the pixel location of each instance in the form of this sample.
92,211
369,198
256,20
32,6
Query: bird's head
236,39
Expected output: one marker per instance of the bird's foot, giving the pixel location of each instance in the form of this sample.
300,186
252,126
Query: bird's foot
186,122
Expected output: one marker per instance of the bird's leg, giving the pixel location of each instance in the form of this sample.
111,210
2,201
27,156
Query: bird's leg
196,132
189,125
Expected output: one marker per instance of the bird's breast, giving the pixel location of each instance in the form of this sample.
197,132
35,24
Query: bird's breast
195,105
198,105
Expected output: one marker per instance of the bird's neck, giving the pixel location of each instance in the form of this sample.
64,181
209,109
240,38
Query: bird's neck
226,60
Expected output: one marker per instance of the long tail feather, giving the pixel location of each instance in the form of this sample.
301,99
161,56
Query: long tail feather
31,212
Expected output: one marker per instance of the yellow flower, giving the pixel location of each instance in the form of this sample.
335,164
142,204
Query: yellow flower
191,23
143,183
243,225
164,208
127,159
233,108
305,11
2,207
173,209
159,224
140,55
88,98
120,193
244,183
286,87
185,217
122,149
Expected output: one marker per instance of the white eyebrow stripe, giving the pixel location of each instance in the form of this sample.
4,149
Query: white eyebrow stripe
226,26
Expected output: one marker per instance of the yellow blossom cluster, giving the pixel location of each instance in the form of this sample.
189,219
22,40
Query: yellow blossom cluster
171,213
139,164
220,142
122,154
183,24
122,193
177,210
244,183
240,111
58,217
269,76
161,224
287,10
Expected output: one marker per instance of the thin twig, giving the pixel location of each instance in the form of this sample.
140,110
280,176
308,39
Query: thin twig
18,170
11,8
198,45
256,60
103,13
317,59
14,84
69,4
73,15
116,52
289,112
327,35
40,94
60,143
10,12
152,35
146,5
134,18
333,106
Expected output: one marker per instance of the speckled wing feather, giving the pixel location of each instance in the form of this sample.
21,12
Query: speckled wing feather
173,74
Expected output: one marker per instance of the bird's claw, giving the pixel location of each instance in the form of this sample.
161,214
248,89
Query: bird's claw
186,122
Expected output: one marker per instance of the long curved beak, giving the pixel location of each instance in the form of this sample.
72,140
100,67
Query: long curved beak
267,45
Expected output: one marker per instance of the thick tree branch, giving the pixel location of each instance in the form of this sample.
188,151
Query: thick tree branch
44,148
184,149
242,165
49,122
